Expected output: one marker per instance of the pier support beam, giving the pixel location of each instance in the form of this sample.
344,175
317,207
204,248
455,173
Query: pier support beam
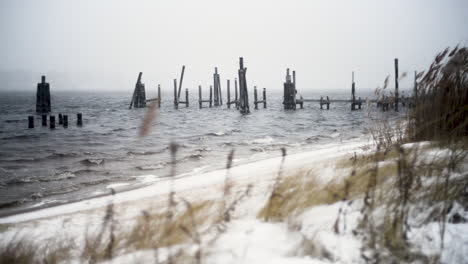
43,96
396,85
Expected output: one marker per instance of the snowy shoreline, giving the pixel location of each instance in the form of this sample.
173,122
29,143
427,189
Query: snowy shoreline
186,182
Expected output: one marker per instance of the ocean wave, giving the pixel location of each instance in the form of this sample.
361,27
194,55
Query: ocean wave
266,140
95,182
152,167
144,153
12,121
57,155
80,172
19,181
20,137
9,204
217,134
59,177
92,162
69,189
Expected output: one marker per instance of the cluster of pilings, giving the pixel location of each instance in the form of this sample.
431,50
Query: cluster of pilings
241,99
289,95
218,98
139,95
62,120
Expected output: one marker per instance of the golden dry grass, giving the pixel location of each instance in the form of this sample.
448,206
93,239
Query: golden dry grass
294,194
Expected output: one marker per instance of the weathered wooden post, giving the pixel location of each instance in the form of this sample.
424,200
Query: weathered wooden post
176,99
52,122
228,94
215,87
289,93
321,102
79,119
237,98
415,95
65,120
139,94
60,119
244,95
180,82
353,94
199,97
264,98
211,96
255,98
159,95
30,121
220,91
43,96
44,120
396,84
186,98
360,103
328,103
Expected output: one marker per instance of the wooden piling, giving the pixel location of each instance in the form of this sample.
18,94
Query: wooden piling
79,119
176,100
52,122
228,94
243,91
159,95
255,98
199,97
236,96
211,96
289,92
396,84
180,82
415,92
215,87
264,98
30,121
65,120
186,98
44,120
353,94
139,94
60,117
43,96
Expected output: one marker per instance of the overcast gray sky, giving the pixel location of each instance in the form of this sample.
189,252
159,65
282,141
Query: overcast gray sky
103,44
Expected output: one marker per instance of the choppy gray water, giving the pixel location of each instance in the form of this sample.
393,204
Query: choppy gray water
41,167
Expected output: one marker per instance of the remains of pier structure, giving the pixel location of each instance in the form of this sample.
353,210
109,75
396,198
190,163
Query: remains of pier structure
396,85
200,97
236,99
139,94
324,102
43,96
218,98
289,95
354,102
243,91
256,101
157,99
178,90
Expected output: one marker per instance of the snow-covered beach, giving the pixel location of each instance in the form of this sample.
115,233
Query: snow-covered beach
311,236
